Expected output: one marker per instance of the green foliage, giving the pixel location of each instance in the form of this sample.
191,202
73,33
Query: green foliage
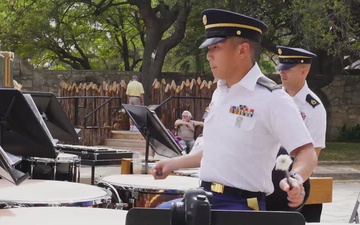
266,66
71,34
350,134
340,151
328,24
111,34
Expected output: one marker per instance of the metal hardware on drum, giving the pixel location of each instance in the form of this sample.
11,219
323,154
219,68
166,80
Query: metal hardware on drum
142,190
65,167
107,186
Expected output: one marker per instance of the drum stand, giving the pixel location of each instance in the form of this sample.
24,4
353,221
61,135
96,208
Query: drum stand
8,172
355,215
147,151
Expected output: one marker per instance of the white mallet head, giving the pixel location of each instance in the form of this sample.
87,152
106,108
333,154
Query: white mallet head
283,162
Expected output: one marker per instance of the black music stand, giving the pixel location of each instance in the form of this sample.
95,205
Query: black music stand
54,116
147,216
21,134
153,131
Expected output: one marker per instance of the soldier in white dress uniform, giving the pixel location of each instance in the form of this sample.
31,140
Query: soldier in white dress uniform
294,66
249,118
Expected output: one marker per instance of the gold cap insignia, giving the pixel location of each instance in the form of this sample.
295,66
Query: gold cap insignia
238,32
204,19
279,51
302,61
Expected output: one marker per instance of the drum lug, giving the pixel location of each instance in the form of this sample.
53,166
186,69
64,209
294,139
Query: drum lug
121,205
135,194
106,200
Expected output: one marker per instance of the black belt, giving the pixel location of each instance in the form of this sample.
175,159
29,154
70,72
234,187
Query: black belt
222,189
135,96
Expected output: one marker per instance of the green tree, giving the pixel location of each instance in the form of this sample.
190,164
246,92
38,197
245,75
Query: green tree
327,27
151,35
165,28
72,34
88,34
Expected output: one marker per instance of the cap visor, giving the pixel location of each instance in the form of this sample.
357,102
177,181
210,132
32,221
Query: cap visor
282,66
211,41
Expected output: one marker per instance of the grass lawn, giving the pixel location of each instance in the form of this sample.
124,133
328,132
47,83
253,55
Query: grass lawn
340,151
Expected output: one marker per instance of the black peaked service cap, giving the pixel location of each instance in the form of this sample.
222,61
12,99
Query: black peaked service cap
290,57
221,24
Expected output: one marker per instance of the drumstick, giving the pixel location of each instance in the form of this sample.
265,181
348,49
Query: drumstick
158,172
283,163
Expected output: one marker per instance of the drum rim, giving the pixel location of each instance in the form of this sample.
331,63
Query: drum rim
151,190
93,200
105,195
76,159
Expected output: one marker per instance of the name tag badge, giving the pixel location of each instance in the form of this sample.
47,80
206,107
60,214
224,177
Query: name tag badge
238,122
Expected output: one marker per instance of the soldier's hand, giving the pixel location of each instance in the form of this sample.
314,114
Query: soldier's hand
296,194
162,169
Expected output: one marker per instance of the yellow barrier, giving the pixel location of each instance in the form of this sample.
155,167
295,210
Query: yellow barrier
8,63
321,189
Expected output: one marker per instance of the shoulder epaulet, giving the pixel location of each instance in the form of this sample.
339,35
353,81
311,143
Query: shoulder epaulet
268,83
312,101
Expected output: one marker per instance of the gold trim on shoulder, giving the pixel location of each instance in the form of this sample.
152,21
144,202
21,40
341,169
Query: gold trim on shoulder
295,56
205,20
233,25
279,51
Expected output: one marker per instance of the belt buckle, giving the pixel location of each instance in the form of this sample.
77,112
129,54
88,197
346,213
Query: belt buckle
216,187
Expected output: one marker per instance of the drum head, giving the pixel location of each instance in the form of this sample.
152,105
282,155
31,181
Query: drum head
61,216
147,182
50,192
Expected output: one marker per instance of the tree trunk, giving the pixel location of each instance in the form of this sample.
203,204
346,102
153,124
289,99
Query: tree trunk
157,21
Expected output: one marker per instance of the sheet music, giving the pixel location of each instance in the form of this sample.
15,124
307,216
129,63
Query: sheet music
39,117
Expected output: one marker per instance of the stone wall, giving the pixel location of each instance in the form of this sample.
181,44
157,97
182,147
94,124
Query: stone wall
342,99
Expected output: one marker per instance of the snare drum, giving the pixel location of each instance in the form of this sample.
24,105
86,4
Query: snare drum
65,167
144,191
61,216
52,193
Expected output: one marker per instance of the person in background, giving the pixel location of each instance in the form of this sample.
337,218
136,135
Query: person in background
294,66
135,95
249,118
186,129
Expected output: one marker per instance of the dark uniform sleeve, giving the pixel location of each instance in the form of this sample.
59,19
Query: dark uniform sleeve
277,201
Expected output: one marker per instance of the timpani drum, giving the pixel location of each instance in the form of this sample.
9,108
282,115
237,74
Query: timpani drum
35,193
191,172
61,216
142,190
64,167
